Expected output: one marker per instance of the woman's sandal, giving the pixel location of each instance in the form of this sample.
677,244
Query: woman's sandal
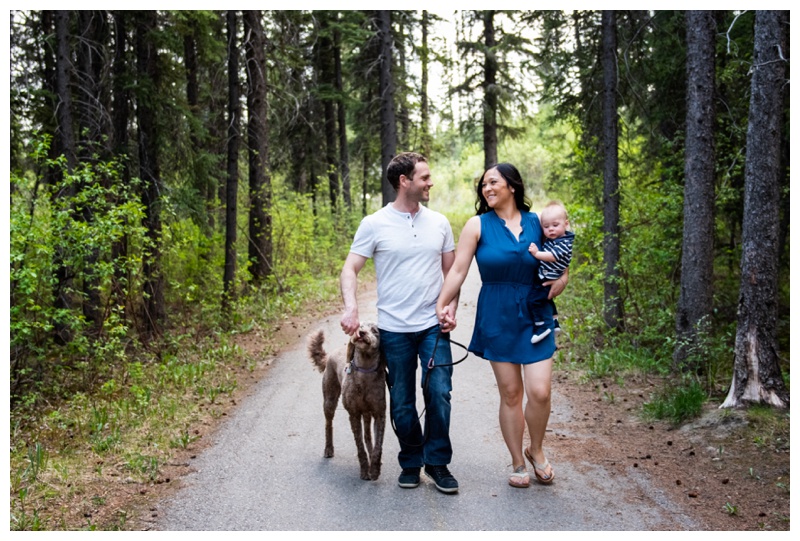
519,478
543,479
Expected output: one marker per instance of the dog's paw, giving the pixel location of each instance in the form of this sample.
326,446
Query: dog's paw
328,452
374,473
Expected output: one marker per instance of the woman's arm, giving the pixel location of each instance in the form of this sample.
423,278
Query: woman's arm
467,244
449,323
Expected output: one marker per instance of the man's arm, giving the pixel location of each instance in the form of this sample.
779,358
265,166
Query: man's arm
348,283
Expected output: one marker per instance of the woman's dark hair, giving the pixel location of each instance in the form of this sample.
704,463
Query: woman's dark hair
514,180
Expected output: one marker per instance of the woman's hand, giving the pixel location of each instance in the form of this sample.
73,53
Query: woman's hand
447,318
558,285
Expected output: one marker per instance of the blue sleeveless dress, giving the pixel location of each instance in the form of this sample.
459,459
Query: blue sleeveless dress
503,323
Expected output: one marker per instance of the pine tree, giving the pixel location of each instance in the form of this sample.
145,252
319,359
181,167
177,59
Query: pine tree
757,374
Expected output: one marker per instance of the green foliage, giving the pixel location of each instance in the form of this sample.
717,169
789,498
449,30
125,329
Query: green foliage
711,349
649,224
71,224
677,403
510,52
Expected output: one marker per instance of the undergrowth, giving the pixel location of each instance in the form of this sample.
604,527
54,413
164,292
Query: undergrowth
143,412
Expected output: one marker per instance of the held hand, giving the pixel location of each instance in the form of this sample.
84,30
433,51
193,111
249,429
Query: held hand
447,319
533,248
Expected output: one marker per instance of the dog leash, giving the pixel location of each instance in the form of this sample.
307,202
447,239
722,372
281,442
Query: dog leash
425,393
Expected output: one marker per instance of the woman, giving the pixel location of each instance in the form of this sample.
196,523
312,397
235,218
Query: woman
498,237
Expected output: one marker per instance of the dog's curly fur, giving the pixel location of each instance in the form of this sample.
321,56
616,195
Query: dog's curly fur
358,375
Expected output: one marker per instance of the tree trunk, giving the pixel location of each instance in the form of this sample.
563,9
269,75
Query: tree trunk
364,183
490,91
49,75
611,242
401,89
149,169
260,241
94,135
783,239
91,85
388,123
120,118
423,98
63,63
200,178
344,158
756,372
232,184
327,81
64,275
697,262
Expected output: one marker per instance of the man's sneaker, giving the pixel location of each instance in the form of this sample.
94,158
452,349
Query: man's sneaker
409,478
536,338
444,480
557,329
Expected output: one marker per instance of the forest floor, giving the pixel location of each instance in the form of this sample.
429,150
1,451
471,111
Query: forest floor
727,470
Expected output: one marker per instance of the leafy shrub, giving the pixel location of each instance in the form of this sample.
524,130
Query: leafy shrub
63,238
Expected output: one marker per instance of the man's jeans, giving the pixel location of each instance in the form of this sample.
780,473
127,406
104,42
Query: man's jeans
402,351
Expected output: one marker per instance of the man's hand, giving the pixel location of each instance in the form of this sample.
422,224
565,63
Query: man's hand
350,322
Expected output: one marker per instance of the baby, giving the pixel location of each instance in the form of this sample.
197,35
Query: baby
554,258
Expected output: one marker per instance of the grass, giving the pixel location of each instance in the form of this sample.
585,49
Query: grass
768,428
677,403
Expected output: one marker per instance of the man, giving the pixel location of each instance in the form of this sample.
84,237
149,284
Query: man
413,248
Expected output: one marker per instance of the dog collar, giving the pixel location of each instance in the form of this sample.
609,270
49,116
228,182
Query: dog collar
352,365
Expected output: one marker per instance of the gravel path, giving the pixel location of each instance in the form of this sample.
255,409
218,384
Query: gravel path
265,469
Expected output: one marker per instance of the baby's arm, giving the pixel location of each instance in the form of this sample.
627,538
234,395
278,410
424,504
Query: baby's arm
540,254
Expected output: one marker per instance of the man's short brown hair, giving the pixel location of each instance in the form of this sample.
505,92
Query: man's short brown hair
403,164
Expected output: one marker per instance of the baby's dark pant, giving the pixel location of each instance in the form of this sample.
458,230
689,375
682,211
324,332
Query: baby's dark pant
537,300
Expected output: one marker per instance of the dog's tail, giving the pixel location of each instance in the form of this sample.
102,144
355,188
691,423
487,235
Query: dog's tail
315,350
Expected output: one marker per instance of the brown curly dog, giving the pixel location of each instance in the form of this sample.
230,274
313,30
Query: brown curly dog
358,375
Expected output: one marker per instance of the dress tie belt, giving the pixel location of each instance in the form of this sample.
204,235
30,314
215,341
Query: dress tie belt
520,293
